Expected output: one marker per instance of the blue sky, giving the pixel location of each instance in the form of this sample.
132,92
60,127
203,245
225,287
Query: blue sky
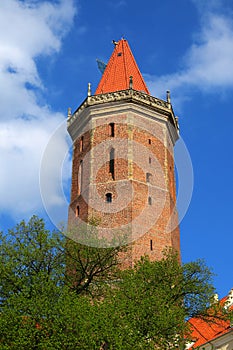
48,56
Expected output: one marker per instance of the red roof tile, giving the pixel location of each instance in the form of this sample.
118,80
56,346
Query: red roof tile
120,67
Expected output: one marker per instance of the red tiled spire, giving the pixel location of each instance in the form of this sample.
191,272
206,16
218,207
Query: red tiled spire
120,67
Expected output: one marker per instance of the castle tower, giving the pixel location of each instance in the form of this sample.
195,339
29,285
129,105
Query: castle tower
123,162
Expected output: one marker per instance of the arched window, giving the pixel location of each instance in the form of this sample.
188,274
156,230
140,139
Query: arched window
149,200
108,197
77,212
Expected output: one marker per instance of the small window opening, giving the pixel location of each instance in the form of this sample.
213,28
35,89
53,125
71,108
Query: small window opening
119,54
111,162
80,177
149,160
149,200
148,177
149,141
112,129
81,144
77,213
151,244
108,197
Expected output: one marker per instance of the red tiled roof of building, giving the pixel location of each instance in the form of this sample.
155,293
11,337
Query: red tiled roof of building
204,331
120,67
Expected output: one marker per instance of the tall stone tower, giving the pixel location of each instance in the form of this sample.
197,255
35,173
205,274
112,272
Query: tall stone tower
123,162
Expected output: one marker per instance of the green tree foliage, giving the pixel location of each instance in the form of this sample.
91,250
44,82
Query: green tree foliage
149,307
90,266
56,294
31,257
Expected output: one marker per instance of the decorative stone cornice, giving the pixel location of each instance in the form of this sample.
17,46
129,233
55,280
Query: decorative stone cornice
129,95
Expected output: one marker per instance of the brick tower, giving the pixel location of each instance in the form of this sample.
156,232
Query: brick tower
123,162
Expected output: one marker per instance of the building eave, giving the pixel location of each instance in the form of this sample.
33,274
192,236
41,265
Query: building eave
129,95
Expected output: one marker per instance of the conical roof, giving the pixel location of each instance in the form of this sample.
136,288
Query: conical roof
120,68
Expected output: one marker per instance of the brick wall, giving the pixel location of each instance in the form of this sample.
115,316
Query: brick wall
140,180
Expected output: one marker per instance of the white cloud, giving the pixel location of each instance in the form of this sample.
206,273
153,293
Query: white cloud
28,29
22,144
208,63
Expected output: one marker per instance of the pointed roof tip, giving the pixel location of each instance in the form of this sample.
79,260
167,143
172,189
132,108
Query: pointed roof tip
120,68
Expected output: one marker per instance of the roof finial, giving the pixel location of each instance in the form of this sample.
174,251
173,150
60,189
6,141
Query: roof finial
69,112
130,82
169,98
89,90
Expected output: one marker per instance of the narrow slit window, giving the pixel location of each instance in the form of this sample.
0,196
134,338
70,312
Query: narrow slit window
112,162
151,244
112,129
149,200
108,197
77,213
148,177
149,141
81,144
80,177
149,160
